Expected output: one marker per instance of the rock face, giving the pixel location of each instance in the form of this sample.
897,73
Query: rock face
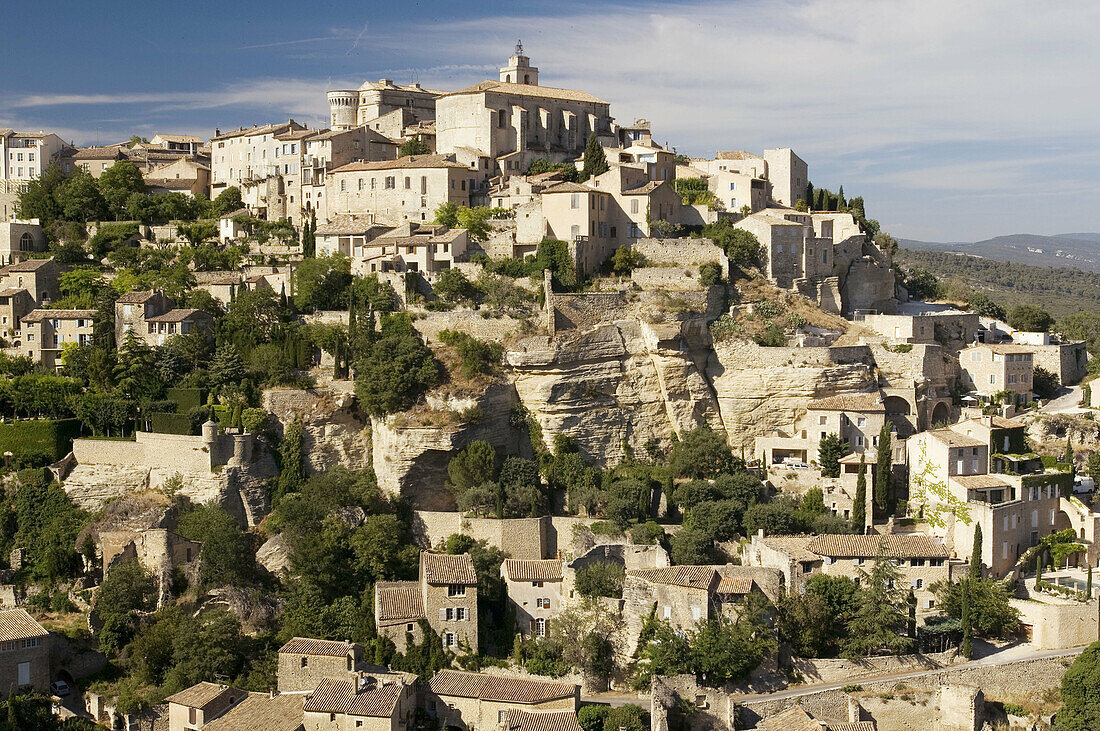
762,389
410,454
617,385
333,430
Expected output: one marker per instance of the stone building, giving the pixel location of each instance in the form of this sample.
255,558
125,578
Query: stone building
158,550
192,708
992,368
44,334
922,560
23,157
350,108
38,276
303,662
248,154
534,591
788,176
270,712
370,702
154,318
445,596
395,191
480,702
516,719
24,652
629,556
19,239
581,216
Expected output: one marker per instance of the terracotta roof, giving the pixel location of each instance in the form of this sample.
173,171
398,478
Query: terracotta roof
850,726
309,646
442,568
517,719
258,711
955,439
978,482
999,422
498,688
218,277
567,187
261,129
12,291
734,585
793,546
201,694
180,183
27,265
341,696
238,212
867,402
794,718
100,153
644,188
179,138
16,624
407,162
906,545
344,224
41,314
179,315
546,92
737,155
693,577
134,298
518,570
399,600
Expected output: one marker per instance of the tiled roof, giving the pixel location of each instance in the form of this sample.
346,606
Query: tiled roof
27,265
908,545
179,138
545,92
1003,348
309,646
794,718
407,162
100,153
567,187
517,719
16,624
12,291
40,314
179,315
262,712
134,298
867,402
218,277
498,688
793,546
736,155
201,694
261,129
734,585
517,570
852,726
644,188
232,214
442,568
344,224
693,577
340,696
978,482
399,600
955,439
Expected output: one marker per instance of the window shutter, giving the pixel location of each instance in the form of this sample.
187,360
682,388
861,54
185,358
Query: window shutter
443,615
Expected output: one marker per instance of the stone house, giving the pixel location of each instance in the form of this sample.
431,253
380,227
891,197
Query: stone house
267,711
184,144
480,702
950,325
788,176
638,201
629,556
224,286
516,719
38,276
922,560
581,215
534,591
177,321
18,239
991,368
445,596
192,708
396,191
14,304
373,703
426,249
184,175
246,155
44,333
374,100
132,309
303,662
158,550
24,652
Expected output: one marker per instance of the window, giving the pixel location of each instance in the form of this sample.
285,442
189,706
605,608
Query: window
696,614
391,182
408,182
304,662
192,715
500,715
668,612
502,118
823,420
733,186
575,200
460,614
1004,550
448,613
360,183
540,627
918,584
343,185
633,205
456,590
448,639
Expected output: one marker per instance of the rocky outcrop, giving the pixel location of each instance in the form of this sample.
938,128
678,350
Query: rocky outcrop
274,555
411,451
334,432
761,389
618,385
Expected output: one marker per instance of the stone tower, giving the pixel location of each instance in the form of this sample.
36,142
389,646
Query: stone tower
519,69
344,109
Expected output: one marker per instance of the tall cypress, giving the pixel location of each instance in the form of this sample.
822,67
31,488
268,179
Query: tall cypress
883,469
859,505
912,624
595,161
1068,457
976,553
967,648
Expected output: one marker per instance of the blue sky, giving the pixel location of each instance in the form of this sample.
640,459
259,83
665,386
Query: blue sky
956,121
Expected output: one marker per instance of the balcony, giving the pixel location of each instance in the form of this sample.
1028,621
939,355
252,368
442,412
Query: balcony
1027,463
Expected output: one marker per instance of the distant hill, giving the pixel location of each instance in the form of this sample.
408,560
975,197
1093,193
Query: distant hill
1060,290
1080,250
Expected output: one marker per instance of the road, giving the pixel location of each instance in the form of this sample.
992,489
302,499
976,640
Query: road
1067,402
1012,654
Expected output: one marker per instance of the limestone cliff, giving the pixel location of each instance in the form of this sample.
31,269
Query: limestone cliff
334,432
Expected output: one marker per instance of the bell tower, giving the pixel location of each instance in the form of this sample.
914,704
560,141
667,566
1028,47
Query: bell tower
519,69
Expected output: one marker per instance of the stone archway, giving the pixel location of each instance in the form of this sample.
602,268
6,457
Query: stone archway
941,414
899,413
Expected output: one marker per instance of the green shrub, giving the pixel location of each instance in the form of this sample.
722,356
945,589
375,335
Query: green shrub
186,398
38,442
166,423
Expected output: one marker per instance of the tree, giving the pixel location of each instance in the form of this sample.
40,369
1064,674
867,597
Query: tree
227,557
779,517
227,368
198,232
829,451
595,161
859,503
38,198
446,214
118,182
1045,384
476,222
126,591
589,634
724,650
878,626
1030,318
1081,693
625,259
602,578
474,465
703,453
228,201
1067,456
815,623
742,247
991,614
884,470
321,282
453,286
922,285
79,198
983,304
1093,467
397,370
135,373
292,466
976,553
309,236
413,146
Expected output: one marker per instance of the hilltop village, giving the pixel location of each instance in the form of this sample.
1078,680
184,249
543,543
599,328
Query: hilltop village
480,409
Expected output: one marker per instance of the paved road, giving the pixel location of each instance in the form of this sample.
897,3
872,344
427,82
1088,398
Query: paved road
1067,402
1004,657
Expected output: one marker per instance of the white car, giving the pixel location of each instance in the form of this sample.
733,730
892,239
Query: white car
59,688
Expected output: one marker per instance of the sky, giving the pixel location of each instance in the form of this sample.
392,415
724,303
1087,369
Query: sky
956,121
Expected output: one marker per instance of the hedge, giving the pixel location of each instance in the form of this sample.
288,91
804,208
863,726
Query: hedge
38,442
186,398
165,423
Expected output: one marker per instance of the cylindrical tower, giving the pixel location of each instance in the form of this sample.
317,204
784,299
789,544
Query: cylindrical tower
344,109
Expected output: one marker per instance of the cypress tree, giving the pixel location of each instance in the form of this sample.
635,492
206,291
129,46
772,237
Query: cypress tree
595,161
841,204
1038,567
1088,583
859,505
976,554
1068,457
292,470
809,193
883,469
912,624
967,648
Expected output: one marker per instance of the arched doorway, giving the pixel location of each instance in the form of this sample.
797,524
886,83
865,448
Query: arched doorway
898,413
941,414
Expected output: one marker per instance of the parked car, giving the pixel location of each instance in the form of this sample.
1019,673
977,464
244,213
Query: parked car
59,688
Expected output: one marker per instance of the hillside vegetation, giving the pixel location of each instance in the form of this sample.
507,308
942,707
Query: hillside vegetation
1061,291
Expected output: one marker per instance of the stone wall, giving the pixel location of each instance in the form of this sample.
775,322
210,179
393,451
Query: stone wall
471,322
1055,623
524,538
681,252
1068,361
149,449
669,279
835,670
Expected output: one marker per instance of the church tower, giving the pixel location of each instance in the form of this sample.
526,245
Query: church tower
519,69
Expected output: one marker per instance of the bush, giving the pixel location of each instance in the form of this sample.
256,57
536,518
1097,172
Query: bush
38,442
772,337
710,274
163,423
602,578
